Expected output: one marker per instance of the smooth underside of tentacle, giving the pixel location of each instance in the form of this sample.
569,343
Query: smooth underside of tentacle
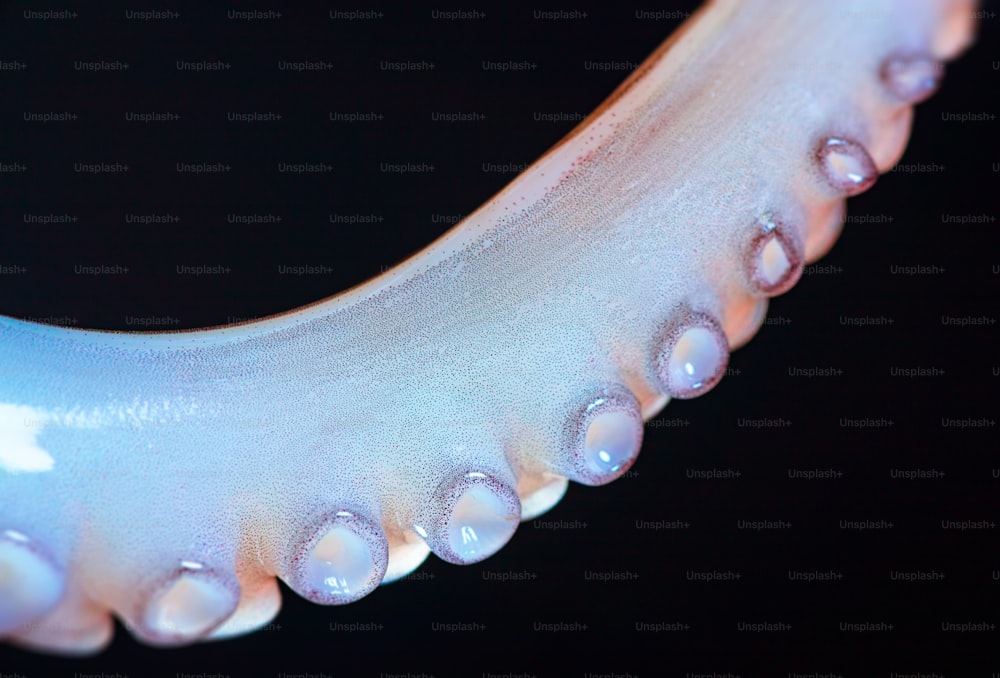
434,407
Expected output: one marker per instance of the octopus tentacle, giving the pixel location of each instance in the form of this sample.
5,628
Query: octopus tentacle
434,407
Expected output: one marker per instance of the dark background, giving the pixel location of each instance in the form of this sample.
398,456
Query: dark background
904,221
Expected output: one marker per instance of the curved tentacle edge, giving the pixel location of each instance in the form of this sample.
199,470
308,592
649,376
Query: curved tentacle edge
436,406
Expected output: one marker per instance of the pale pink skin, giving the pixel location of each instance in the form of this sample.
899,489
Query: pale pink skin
128,459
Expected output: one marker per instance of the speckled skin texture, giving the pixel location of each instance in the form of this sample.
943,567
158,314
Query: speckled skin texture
475,355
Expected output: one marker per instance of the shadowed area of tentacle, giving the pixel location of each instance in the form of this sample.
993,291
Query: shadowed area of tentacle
432,409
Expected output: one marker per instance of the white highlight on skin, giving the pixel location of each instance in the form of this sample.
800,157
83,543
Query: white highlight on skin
19,450
21,426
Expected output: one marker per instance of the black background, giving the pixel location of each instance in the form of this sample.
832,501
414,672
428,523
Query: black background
907,225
